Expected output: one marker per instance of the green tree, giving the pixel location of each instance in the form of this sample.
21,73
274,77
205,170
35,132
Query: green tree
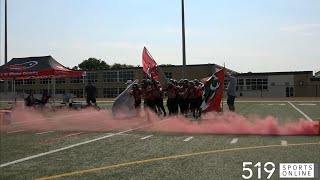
120,66
93,64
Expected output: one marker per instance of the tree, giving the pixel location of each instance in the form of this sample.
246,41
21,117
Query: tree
120,66
98,64
93,64
75,68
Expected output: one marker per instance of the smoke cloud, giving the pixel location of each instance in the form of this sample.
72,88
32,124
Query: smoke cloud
90,120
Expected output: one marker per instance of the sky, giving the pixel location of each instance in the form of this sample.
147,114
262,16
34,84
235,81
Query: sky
245,35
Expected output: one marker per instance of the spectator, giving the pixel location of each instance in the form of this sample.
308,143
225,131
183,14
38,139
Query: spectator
231,91
91,92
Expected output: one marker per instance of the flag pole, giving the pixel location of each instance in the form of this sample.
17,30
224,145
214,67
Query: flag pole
5,33
224,71
184,73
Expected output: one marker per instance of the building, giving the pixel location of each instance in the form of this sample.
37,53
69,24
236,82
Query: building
278,84
110,83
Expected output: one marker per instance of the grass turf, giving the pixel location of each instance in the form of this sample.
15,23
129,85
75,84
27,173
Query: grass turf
128,148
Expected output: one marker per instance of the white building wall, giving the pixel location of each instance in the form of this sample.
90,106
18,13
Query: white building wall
276,86
281,82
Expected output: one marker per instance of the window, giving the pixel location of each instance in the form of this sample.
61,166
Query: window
60,81
125,75
110,92
29,81
248,81
76,80
256,84
92,76
121,90
45,81
77,92
60,91
168,75
46,90
110,76
240,82
18,81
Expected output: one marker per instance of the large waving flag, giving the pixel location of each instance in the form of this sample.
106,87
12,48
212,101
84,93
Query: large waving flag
123,106
213,92
149,65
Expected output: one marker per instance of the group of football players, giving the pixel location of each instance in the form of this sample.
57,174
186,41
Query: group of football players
185,95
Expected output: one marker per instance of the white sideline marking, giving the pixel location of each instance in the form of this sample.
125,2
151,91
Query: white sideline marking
235,140
146,137
120,134
284,143
188,139
117,134
306,116
15,131
276,104
74,145
306,104
44,132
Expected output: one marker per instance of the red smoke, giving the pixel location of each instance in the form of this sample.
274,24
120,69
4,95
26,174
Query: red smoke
90,120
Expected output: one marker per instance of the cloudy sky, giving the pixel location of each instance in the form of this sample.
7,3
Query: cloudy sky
246,35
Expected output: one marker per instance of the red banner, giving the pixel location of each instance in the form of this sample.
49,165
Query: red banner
149,65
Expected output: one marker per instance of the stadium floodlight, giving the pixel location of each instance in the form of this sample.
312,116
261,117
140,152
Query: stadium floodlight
183,42
5,33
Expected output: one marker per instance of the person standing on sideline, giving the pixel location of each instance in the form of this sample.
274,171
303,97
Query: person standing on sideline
231,91
91,92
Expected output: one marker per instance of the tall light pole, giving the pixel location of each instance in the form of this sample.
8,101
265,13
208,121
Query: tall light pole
184,73
5,33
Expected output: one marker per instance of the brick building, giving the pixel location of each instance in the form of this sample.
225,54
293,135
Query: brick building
108,82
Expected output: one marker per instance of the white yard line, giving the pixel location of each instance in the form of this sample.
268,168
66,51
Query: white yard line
188,139
74,145
21,130
146,137
306,116
121,134
284,143
235,140
44,132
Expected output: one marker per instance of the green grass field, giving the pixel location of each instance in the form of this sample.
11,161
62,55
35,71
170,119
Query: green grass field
131,154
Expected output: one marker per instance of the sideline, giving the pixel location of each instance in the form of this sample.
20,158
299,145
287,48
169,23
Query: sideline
306,116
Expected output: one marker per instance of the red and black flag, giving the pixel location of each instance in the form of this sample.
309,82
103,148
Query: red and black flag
213,92
149,65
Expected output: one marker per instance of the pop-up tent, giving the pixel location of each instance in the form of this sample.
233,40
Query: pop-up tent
37,67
